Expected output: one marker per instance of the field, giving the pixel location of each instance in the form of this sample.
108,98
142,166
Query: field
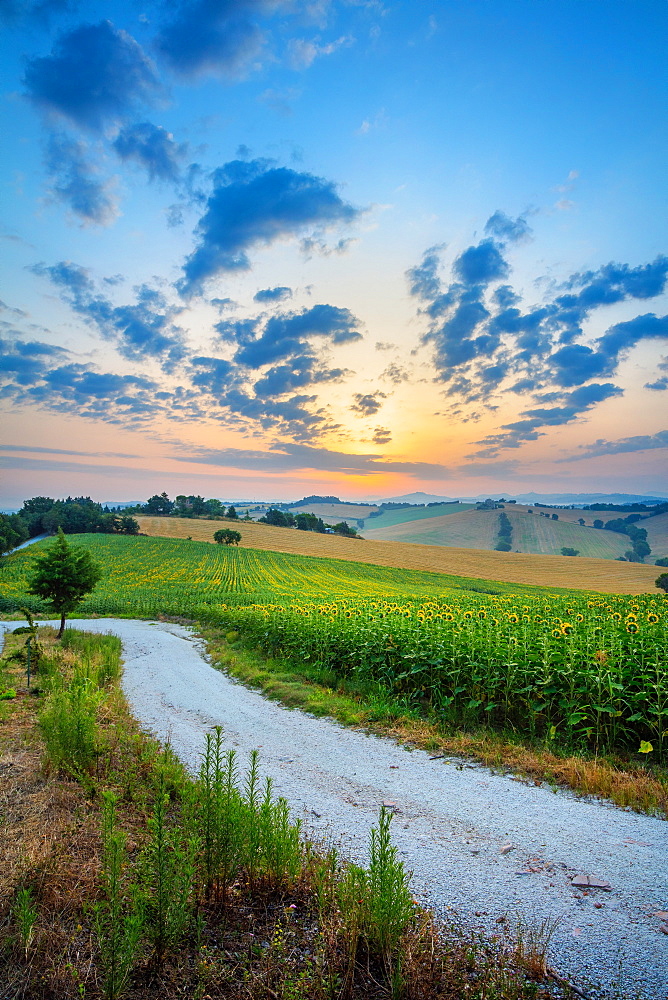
600,575
532,533
391,517
589,670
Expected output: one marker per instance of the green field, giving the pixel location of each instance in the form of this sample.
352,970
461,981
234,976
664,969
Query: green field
391,517
149,576
589,670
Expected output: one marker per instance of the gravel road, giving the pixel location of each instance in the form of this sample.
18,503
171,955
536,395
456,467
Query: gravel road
453,821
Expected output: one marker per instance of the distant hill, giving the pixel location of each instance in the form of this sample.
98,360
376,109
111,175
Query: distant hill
418,498
580,499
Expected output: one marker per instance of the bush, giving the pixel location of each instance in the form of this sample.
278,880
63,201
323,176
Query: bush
566,550
503,546
662,562
69,726
662,582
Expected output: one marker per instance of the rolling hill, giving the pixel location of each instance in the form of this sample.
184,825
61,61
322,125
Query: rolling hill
602,575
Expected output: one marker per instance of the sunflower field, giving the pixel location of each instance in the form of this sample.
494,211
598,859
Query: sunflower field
581,669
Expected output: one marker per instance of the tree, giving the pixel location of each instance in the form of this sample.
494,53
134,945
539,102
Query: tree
228,536
232,514
159,504
343,528
566,550
555,517
662,582
598,523
279,518
13,531
662,562
127,525
63,576
581,521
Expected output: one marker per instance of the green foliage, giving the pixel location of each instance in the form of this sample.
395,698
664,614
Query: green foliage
389,907
662,582
279,518
166,876
566,550
25,917
593,668
68,724
662,562
227,536
119,916
343,528
13,531
63,576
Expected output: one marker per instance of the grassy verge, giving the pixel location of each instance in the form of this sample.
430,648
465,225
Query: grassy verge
120,876
626,782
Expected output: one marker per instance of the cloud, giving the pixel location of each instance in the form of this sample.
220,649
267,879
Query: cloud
220,37
484,340
75,181
395,374
423,280
382,435
223,304
639,442
286,334
254,204
503,228
41,11
153,148
96,76
65,451
24,362
369,404
289,457
278,294
481,264
303,52
145,329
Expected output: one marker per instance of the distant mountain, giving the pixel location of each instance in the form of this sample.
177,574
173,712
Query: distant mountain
581,499
417,498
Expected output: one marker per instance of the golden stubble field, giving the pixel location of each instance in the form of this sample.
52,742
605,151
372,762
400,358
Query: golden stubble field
604,575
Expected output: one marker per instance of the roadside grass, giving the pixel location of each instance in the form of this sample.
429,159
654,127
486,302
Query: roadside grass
627,782
121,876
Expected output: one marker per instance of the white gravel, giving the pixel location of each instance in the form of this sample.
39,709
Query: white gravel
452,818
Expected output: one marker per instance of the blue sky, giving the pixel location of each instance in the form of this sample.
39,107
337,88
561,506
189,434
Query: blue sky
268,247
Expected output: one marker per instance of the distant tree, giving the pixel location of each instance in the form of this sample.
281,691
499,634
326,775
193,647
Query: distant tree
159,504
598,523
641,548
530,510
214,508
555,517
309,522
63,576
231,513
581,521
227,536
503,546
343,528
279,518
566,550
127,525
662,582
13,531
662,562
32,511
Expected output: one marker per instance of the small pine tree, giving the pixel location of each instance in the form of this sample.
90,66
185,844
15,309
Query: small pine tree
63,576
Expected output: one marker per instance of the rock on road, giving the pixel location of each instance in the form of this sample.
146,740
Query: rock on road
484,845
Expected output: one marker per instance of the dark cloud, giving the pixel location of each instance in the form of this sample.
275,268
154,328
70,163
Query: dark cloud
288,457
483,339
423,280
214,36
286,334
153,148
639,442
222,304
622,336
75,181
395,374
253,204
142,330
481,264
369,404
504,228
661,383
278,294
298,373
96,76
382,435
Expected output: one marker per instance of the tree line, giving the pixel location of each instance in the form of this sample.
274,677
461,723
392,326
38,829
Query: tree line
75,515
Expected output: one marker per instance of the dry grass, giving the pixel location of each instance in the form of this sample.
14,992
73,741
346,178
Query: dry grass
260,944
603,575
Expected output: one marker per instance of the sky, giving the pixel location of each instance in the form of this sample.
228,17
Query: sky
269,248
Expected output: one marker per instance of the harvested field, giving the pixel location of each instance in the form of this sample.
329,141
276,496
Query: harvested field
604,575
